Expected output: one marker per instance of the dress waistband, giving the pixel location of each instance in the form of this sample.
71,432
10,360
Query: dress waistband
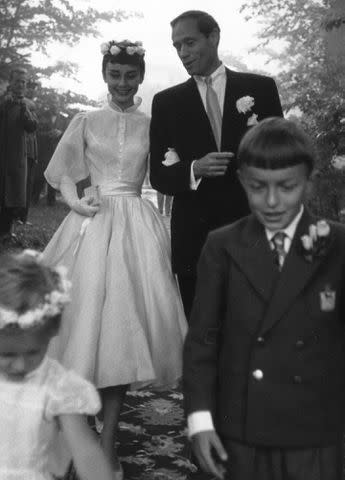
119,189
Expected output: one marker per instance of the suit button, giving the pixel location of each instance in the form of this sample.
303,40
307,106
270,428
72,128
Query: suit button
297,379
300,344
258,374
260,340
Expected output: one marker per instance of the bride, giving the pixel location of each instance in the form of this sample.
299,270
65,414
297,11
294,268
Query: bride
125,325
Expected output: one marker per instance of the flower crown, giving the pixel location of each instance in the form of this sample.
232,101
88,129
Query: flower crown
52,306
114,47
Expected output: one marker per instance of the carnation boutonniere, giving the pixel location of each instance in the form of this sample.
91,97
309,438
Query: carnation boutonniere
314,243
244,105
171,157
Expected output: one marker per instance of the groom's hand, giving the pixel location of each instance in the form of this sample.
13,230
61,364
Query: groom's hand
208,448
213,164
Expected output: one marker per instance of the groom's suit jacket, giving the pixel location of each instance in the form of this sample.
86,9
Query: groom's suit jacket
265,352
179,121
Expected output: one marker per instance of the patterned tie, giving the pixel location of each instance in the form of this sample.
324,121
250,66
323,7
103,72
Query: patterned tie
213,111
278,247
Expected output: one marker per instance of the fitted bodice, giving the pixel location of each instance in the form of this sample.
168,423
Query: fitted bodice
109,145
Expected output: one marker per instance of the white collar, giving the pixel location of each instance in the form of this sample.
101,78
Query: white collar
219,72
290,229
117,108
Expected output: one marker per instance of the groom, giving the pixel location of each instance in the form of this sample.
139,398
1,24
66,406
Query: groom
196,128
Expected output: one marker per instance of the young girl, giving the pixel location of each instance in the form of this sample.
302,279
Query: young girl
125,325
42,405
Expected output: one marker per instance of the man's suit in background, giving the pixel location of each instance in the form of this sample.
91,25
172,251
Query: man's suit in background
179,121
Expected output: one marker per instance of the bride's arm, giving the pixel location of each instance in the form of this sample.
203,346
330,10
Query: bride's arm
87,206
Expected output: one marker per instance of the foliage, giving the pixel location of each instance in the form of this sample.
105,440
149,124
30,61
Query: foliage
309,82
31,25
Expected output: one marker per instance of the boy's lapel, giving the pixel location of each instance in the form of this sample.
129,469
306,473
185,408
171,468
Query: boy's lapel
296,273
255,258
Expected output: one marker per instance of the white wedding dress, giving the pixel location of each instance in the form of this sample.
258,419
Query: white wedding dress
125,323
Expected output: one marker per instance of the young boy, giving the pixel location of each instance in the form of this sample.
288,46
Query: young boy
264,363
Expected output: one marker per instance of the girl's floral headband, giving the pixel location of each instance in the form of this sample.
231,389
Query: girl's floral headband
113,47
53,305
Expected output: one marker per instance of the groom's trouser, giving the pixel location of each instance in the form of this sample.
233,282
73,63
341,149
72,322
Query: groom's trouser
270,463
187,289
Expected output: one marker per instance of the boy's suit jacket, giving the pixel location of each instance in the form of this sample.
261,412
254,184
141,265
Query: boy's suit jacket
262,353
179,121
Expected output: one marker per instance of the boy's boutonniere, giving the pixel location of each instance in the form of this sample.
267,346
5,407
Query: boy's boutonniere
315,242
244,105
171,157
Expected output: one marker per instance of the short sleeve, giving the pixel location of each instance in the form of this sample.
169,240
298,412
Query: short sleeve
71,394
69,156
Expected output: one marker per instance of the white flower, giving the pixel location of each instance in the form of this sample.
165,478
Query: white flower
313,232
140,50
104,48
322,228
131,50
338,162
114,50
307,242
252,120
171,157
139,43
245,104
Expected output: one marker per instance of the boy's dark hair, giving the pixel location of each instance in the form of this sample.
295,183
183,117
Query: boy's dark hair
276,143
124,58
206,23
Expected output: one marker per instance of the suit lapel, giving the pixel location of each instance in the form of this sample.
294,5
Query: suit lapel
296,273
255,258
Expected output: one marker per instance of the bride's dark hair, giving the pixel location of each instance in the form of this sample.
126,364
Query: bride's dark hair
124,58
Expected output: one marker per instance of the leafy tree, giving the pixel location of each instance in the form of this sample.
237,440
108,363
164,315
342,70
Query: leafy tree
31,25
310,80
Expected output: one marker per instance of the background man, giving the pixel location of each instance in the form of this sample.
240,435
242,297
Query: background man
17,118
202,122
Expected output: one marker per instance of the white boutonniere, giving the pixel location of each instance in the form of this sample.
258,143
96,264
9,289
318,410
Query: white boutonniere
245,104
314,243
171,157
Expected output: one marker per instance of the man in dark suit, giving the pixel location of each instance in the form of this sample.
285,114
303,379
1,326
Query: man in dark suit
203,124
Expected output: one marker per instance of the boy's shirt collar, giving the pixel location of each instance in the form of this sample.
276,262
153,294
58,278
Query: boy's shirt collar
289,230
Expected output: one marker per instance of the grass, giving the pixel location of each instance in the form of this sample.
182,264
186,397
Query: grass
44,221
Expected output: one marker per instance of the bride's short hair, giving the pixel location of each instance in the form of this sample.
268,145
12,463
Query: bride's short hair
124,58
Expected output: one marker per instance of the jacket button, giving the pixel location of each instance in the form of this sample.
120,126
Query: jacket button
258,374
260,340
297,379
300,344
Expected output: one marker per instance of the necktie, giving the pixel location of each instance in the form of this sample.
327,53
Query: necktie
213,111
278,248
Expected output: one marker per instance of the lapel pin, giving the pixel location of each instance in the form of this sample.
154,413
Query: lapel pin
327,299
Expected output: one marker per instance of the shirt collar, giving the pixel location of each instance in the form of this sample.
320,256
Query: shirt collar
290,229
219,72
132,108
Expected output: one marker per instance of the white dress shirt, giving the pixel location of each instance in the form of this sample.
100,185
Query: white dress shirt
218,85
201,420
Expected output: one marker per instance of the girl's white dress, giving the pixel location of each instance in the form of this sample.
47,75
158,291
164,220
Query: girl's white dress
125,324
31,447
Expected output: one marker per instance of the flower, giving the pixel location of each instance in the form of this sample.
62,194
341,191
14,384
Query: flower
253,120
171,157
338,162
131,50
113,47
314,242
245,104
114,50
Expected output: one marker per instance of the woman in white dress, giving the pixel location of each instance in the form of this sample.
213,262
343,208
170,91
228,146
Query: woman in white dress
125,325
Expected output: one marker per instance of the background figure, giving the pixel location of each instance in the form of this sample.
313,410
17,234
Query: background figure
195,130
164,203
31,154
17,118
51,127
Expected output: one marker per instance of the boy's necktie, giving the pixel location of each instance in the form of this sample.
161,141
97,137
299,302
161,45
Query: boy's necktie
213,111
278,241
